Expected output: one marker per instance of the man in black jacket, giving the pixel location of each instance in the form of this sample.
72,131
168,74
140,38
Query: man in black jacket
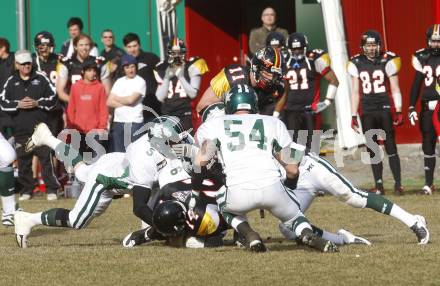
28,96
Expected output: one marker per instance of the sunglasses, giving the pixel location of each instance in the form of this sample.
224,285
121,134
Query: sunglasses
25,64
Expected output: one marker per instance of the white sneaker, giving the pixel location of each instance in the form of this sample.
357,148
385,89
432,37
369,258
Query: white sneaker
7,219
427,190
51,197
23,227
350,238
25,197
39,137
420,229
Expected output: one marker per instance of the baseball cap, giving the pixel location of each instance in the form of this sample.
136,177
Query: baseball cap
23,56
128,60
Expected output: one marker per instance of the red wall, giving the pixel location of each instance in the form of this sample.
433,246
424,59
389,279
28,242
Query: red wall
405,24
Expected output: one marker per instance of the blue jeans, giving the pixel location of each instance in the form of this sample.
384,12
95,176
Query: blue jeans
117,143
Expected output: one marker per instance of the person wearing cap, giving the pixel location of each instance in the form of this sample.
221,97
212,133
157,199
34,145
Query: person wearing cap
87,109
257,37
27,97
126,98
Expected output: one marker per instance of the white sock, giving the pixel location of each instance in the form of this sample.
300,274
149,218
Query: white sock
8,204
36,218
403,215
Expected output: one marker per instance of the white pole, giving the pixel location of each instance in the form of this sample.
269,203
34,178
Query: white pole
21,27
337,47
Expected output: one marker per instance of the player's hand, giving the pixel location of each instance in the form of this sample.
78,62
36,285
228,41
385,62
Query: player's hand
185,150
170,72
398,119
321,106
355,124
412,115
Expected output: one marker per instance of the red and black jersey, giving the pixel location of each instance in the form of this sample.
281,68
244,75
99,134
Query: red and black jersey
177,102
303,80
373,75
427,64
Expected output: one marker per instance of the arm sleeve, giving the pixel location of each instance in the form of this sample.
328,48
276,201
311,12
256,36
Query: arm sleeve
49,98
392,67
103,110
141,195
415,88
162,88
191,88
6,103
352,69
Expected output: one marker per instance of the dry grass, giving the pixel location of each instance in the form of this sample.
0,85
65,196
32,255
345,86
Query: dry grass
94,256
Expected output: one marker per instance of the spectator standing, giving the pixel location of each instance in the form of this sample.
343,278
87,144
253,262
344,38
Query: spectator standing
111,52
27,96
75,26
71,69
257,37
145,66
87,108
126,98
179,82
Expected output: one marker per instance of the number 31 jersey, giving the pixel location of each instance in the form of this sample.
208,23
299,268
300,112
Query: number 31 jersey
372,75
246,143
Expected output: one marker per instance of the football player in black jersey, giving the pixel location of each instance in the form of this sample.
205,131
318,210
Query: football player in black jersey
71,68
179,81
369,71
426,62
302,100
265,75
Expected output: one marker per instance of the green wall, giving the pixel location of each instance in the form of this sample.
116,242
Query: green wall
138,16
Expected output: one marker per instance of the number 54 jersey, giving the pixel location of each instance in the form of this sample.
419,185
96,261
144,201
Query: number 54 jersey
246,144
372,75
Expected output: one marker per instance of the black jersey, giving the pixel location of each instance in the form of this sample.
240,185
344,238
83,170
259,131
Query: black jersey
49,68
177,102
427,64
372,76
303,79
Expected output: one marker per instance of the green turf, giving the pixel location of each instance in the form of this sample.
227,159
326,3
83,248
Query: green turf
94,256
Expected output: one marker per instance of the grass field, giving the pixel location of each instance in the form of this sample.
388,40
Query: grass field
94,256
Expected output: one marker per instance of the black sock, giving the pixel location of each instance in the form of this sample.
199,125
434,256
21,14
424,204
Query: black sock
429,169
394,161
377,174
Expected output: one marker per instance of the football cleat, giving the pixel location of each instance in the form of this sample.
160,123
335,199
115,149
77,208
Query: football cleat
312,240
38,138
255,243
427,190
7,219
420,229
350,238
23,227
136,238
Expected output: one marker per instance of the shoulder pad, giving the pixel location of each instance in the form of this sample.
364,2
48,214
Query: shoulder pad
192,60
422,54
355,58
63,59
389,55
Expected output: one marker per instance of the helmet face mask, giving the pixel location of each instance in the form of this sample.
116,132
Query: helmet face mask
433,39
297,44
371,44
176,51
166,131
169,218
268,68
44,43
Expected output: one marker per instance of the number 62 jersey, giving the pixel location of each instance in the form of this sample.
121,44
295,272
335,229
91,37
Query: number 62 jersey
372,75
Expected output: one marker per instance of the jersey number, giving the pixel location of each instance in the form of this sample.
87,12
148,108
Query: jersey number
256,135
293,76
178,89
429,74
374,83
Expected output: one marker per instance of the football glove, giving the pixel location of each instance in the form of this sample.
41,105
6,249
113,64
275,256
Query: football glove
412,115
185,150
321,106
354,123
398,119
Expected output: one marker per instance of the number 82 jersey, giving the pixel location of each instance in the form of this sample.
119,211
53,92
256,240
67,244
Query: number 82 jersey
372,75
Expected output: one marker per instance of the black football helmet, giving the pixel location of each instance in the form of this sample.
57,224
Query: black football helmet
371,37
44,38
433,39
297,44
176,51
271,61
169,218
276,40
